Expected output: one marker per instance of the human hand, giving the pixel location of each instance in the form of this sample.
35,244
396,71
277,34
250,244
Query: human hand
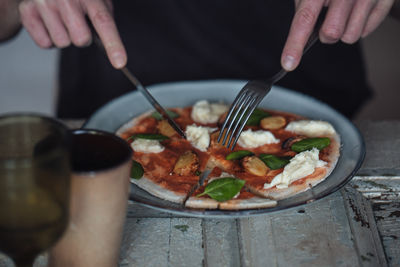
62,22
346,20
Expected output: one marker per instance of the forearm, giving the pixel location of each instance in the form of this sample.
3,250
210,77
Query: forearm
9,19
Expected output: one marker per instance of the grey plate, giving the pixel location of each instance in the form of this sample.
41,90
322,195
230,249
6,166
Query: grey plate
119,111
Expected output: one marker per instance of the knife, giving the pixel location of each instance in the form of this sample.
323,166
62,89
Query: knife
152,100
141,88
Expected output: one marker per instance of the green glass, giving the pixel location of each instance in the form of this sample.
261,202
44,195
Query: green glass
34,185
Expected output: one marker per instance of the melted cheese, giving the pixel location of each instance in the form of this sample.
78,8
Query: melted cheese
204,112
250,139
302,165
199,136
147,146
311,128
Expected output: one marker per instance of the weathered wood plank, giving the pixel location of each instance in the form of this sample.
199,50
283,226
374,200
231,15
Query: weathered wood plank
186,242
377,188
256,242
221,243
363,227
312,235
387,216
384,194
382,141
146,242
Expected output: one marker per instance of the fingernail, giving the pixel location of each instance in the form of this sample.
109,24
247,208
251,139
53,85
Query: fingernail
119,60
288,63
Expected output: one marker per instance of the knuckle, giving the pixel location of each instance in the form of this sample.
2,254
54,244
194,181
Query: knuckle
102,17
349,39
82,41
45,44
306,16
332,32
61,42
350,36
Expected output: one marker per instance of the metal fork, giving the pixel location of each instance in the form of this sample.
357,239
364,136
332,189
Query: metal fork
248,99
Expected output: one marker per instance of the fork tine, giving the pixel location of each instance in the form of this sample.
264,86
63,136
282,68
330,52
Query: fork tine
237,116
228,118
239,124
253,107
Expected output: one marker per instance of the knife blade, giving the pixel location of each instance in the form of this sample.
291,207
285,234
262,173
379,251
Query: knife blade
152,101
204,176
140,87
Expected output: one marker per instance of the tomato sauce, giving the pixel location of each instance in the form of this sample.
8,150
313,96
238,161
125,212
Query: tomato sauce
159,166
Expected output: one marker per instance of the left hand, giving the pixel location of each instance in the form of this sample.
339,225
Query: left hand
346,20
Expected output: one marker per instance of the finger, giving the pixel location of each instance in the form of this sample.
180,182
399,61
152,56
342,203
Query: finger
52,20
110,6
335,21
34,25
105,26
378,14
302,25
74,20
357,20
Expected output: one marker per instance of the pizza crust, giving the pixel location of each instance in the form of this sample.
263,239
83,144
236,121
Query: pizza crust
251,203
158,191
201,203
233,204
133,122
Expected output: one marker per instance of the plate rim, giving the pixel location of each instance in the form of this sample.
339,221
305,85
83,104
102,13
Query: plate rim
206,213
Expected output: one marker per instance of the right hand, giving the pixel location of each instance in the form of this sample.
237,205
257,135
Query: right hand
346,20
62,22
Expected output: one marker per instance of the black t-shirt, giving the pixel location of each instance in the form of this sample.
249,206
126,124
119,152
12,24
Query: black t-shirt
181,40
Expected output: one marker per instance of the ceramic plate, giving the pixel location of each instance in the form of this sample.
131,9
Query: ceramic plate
119,111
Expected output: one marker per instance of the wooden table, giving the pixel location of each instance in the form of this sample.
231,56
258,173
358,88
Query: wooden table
356,226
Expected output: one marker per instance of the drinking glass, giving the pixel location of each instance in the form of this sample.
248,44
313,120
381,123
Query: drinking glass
34,185
101,164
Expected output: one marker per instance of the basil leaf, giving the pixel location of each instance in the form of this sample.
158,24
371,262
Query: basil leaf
256,117
309,143
274,162
149,136
223,189
159,117
137,170
239,154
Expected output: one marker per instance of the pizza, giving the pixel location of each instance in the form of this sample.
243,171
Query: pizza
278,155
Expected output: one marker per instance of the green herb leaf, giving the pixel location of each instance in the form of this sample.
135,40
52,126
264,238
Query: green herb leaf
197,173
274,162
239,154
223,189
256,117
149,136
309,143
137,170
159,117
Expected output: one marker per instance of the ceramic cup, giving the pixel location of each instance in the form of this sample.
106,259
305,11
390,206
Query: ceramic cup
101,165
